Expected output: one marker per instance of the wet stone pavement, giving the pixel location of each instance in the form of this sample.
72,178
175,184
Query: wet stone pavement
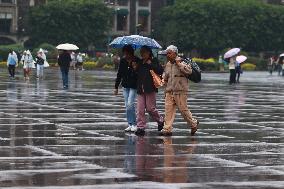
56,139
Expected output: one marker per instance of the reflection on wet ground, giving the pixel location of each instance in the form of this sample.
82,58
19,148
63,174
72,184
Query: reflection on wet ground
53,138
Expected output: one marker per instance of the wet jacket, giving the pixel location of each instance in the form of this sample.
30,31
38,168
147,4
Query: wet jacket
145,81
126,75
175,77
64,60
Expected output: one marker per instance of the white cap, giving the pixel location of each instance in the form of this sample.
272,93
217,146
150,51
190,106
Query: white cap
172,48
28,52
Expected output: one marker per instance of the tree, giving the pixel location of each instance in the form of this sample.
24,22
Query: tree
83,22
213,25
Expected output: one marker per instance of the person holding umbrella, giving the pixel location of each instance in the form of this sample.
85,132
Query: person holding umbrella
146,90
281,64
239,61
127,77
230,57
64,61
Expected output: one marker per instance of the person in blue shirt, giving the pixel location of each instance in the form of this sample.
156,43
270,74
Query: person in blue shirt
11,63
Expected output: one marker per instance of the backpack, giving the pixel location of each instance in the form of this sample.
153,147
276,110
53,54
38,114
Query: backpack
196,71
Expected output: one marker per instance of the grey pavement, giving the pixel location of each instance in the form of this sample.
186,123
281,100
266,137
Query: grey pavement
56,139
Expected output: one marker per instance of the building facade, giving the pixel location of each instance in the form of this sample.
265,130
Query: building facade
13,19
135,16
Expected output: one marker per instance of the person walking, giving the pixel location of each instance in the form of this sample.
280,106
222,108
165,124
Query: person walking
271,64
146,90
127,77
27,61
73,63
239,71
80,61
64,61
12,63
280,65
232,68
39,64
176,91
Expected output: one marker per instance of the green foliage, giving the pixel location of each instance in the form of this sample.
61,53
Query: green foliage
5,49
52,51
82,22
248,67
261,64
211,25
207,64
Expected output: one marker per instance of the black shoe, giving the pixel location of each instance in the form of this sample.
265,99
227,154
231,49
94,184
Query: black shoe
165,133
160,126
140,132
193,130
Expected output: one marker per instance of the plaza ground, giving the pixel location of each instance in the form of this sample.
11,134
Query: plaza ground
56,139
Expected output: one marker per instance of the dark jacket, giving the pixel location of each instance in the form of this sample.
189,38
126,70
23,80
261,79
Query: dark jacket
126,75
145,81
64,60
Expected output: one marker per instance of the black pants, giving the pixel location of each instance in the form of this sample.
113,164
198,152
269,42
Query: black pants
232,76
11,69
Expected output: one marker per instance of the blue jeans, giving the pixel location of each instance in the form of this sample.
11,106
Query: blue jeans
129,99
64,72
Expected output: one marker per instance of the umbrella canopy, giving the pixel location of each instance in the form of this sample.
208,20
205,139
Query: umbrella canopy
241,59
232,52
67,47
136,41
281,55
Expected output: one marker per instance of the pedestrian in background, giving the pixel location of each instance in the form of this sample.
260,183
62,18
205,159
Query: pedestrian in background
39,64
177,85
239,71
146,90
73,61
12,63
271,64
232,68
80,62
27,61
64,61
127,77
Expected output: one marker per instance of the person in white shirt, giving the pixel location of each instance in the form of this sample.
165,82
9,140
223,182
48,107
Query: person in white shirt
80,60
232,68
27,61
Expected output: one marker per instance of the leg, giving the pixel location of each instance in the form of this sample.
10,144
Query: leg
10,70
151,107
38,70
41,71
170,111
131,106
13,70
67,77
181,101
238,77
25,73
231,76
125,95
141,105
63,76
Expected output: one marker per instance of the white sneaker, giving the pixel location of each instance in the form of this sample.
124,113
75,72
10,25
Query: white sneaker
128,129
133,128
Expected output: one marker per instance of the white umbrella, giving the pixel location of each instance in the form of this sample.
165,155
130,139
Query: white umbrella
241,59
232,53
281,55
67,47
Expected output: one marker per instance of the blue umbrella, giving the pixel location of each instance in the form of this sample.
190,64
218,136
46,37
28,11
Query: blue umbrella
136,41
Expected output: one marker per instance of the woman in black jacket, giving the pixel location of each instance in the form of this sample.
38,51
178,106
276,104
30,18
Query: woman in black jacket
146,90
127,77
